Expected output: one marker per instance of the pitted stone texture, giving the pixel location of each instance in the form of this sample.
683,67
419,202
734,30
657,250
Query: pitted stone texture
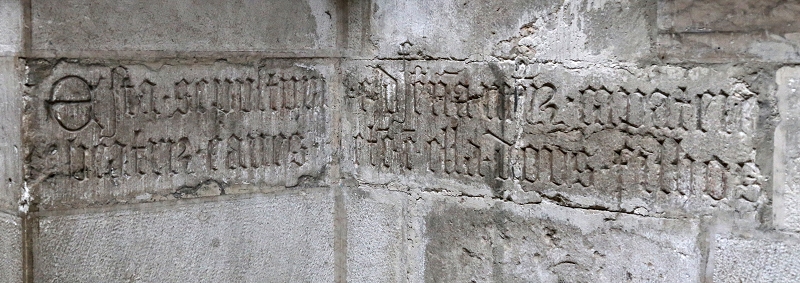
11,182
97,134
728,30
10,27
376,242
653,141
11,268
786,199
176,25
284,237
546,30
737,259
470,240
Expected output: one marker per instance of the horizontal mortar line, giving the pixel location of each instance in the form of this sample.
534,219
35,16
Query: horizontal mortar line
701,32
9,213
162,205
11,54
419,58
563,63
544,200
158,54
612,211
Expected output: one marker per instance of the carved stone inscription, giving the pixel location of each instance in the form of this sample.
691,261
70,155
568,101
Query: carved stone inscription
653,140
101,132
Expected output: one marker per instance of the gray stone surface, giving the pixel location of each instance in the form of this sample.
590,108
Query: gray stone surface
755,259
653,141
284,237
728,30
474,240
12,206
111,133
546,30
11,181
376,241
787,135
399,141
90,25
10,27
11,269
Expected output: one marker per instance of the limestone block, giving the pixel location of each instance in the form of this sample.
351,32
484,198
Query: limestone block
728,30
10,27
470,240
754,259
177,25
284,237
786,199
10,249
11,181
105,133
546,30
728,15
654,141
376,240
726,47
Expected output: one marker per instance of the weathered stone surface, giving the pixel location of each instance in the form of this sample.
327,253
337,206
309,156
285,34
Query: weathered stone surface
85,25
376,242
10,144
10,27
399,141
728,30
281,237
546,30
728,15
12,203
755,259
10,249
654,141
786,200
471,240
112,133
726,47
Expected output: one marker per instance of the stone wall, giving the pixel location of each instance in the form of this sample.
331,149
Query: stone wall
12,198
399,141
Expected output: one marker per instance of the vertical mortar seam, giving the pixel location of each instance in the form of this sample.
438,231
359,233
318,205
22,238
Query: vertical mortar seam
27,29
339,237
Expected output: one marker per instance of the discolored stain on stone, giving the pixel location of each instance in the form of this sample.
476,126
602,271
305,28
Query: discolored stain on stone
509,243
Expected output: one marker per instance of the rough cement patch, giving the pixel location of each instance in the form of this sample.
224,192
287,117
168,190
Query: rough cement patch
183,25
284,237
546,30
470,240
375,240
11,269
10,145
737,259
